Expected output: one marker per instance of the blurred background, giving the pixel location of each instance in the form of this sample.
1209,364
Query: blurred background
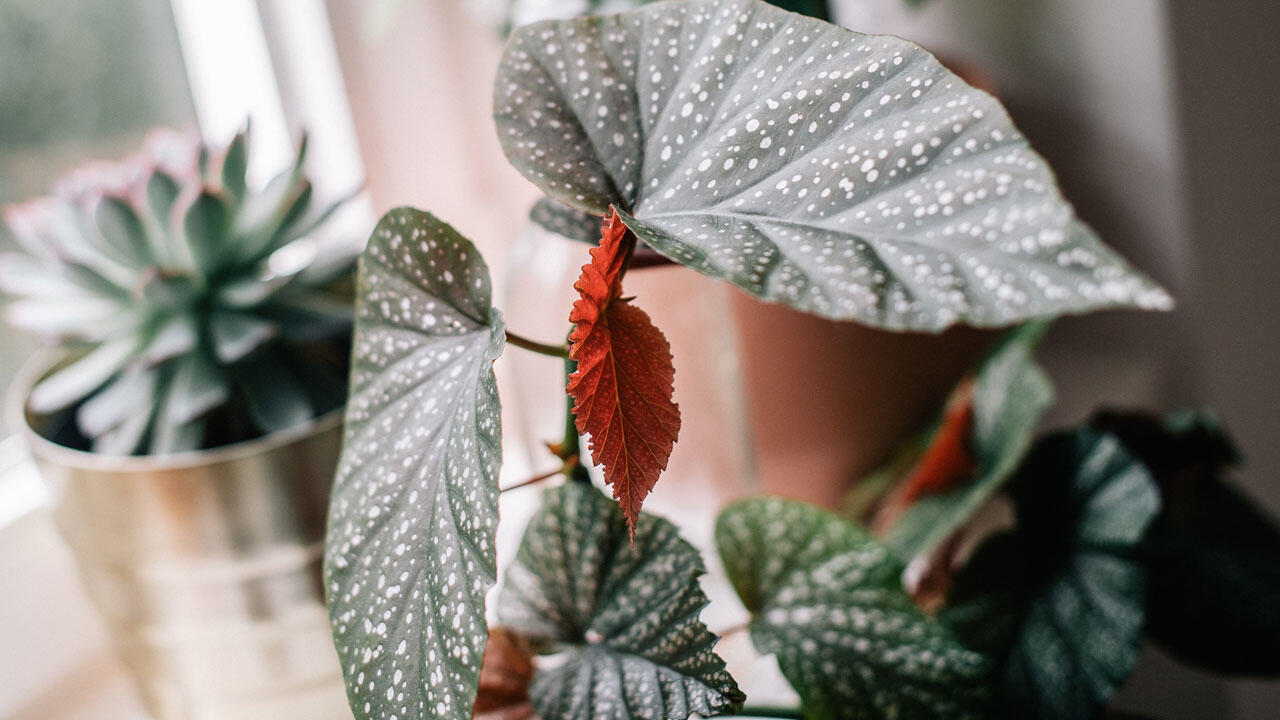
1158,117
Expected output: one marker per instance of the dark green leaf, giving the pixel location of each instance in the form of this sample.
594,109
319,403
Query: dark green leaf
207,226
627,617
827,599
410,548
1067,577
276,399
1212,556
1010,395
847,175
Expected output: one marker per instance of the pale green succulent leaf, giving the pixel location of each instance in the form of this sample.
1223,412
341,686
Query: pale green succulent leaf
176,335
126,437
235,163
127,395
1061,598
81,376
207,228
236,334
847,175
410,547
1011,394
627,617
827,600
198,386
124,232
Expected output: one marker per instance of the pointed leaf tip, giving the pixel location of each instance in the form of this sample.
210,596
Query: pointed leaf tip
622,390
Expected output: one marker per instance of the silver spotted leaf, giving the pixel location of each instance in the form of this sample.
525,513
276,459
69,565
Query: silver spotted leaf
626,619
1011,394
827,600
566,221
1060,599
847,175
410,548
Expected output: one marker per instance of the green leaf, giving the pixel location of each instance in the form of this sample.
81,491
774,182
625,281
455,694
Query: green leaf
410,548
129,394
1067,576
1212,556
81,377
207,225
847,175
235,335
275,398
627,617
235,163
198,386
827,599
1011,394
124,232
566,221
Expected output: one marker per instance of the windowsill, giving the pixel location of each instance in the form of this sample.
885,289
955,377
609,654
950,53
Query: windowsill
55,655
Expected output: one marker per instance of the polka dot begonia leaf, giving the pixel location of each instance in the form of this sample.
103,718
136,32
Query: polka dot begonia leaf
410,548
827,600
1060,599
624,621
847,175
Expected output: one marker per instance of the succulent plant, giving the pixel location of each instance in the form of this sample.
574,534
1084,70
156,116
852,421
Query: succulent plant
196,310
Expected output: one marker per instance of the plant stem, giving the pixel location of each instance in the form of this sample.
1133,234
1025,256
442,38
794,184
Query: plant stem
559,351
772,712
564,468
648,258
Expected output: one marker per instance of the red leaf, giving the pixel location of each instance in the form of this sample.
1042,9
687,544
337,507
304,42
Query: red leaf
505,674
948,461
624,382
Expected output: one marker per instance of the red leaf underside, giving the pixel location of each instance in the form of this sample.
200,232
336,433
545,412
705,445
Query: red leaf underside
948,462
622,389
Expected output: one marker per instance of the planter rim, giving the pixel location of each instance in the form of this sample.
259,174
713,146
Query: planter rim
15,415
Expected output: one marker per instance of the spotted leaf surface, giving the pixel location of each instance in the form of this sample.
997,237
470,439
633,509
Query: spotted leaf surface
847,175
1010,395
1060,599
410,549
624,619
827,600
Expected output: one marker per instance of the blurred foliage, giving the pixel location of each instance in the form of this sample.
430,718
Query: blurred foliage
79,80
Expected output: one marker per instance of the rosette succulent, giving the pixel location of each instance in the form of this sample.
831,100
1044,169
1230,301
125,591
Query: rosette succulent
195,310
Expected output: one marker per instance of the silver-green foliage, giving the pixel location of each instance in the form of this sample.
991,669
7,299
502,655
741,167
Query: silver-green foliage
410,547
179,291
625,617
843,174
1060,599
827,599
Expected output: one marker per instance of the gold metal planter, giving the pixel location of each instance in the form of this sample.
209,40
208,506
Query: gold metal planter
206,566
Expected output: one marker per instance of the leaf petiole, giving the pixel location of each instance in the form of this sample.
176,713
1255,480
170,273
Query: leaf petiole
559,351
